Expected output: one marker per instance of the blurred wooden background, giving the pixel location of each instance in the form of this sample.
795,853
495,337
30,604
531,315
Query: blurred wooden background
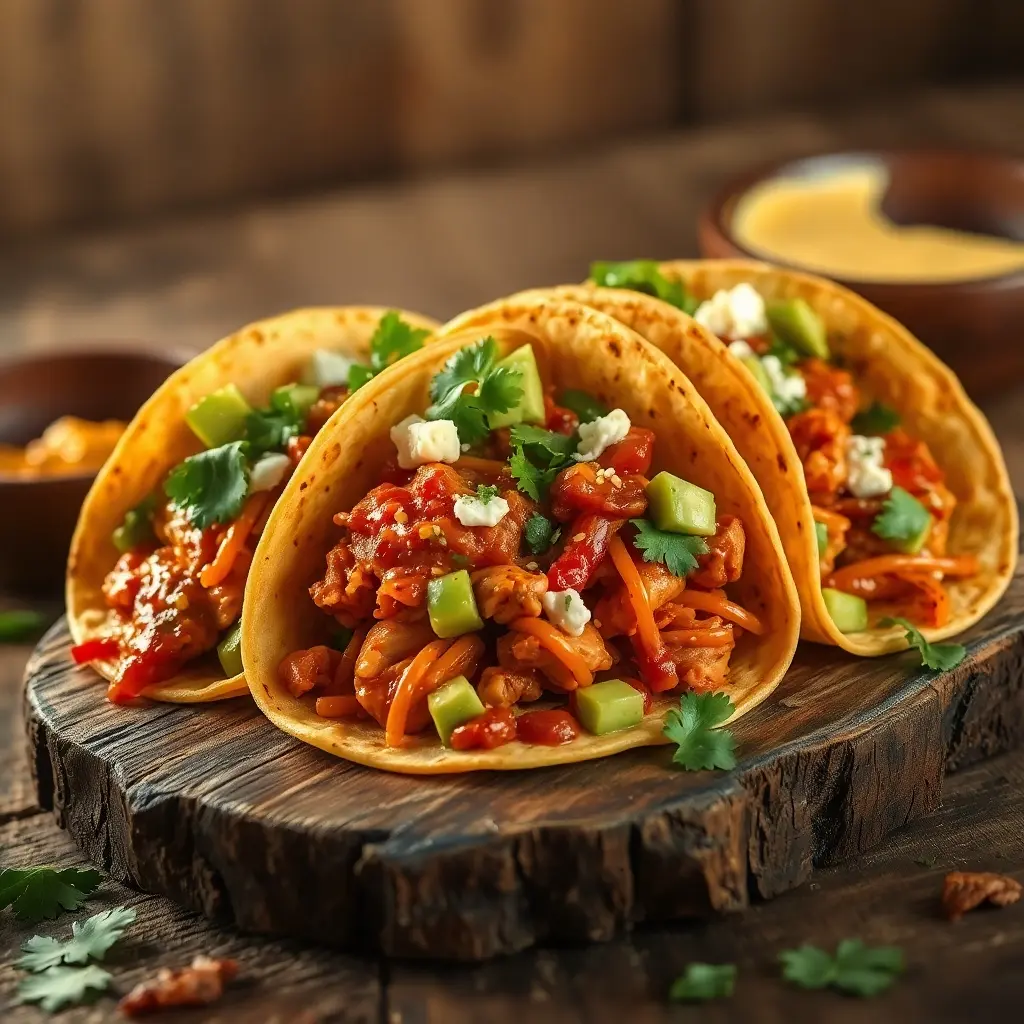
111,109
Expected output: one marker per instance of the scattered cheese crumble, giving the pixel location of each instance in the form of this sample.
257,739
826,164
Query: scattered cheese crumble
268,472
734,313
867,477
565,608
471,511
602,433
421,441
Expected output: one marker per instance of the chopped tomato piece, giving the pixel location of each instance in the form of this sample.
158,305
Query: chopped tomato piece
632,454
588,487
494,728
547,728
560,420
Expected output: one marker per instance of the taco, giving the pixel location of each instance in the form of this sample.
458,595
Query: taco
161,552
888,487
499,585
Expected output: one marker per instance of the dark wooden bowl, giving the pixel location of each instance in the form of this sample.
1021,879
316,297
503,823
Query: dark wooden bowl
972,325
37,516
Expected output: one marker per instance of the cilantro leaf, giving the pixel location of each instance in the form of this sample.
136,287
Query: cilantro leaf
678,551
38,893
539,533
643,276
468,364
903,517
485,492
89,940
20,624
691,727
210,487
268,430
935,656
358,376
531,480
702,982
57,987
782,350
394,339
856,969
553,446
585,406
875,419
470,386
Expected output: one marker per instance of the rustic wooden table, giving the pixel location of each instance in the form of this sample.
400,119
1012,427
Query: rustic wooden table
439,246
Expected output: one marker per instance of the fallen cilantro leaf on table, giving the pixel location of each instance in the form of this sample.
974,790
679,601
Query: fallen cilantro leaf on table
926,862
856,969
692,727
89,940
935,656
902,517
702,982
210,487
57,987
39,893
19,624
677,551
875,419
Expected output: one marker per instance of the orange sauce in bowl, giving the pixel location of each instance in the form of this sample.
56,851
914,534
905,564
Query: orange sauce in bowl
67,446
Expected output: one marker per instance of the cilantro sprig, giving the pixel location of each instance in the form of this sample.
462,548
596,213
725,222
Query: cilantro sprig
393,339
538,456
856,969
703,982
35,894
89,940
677,551
58,987
934,656
903,518
643,276
876,419
692,727
470,387
210,487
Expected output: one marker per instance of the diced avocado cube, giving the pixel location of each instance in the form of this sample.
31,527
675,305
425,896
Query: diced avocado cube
585,406
136,528
219,418
453,705
678,506
609,706
530,408
821,534
849,612
229,651
452,606
796,323
753,364
294,399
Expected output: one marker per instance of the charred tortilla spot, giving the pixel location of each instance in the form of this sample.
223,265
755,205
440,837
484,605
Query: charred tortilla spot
781,463
615,348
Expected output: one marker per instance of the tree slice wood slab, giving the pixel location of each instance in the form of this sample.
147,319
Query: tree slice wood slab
217,809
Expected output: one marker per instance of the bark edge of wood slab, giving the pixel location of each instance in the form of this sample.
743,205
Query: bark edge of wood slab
213,807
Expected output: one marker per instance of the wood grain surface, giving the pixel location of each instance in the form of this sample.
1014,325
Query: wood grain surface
209,804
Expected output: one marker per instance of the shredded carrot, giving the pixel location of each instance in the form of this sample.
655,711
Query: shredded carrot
458,660
646,627
345,674
719,636
846,578
715,602
234,539
556,643
477,465
343,706
829,518
408,691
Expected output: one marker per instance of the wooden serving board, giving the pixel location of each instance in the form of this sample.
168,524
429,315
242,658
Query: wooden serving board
214,807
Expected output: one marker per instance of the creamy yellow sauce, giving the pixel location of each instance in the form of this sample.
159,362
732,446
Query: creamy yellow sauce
68,445
834,224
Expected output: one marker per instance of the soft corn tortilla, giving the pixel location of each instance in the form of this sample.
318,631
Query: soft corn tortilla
575,346
890,365
257,359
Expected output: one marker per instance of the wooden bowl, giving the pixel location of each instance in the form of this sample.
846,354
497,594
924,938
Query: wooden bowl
37,516
972,325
